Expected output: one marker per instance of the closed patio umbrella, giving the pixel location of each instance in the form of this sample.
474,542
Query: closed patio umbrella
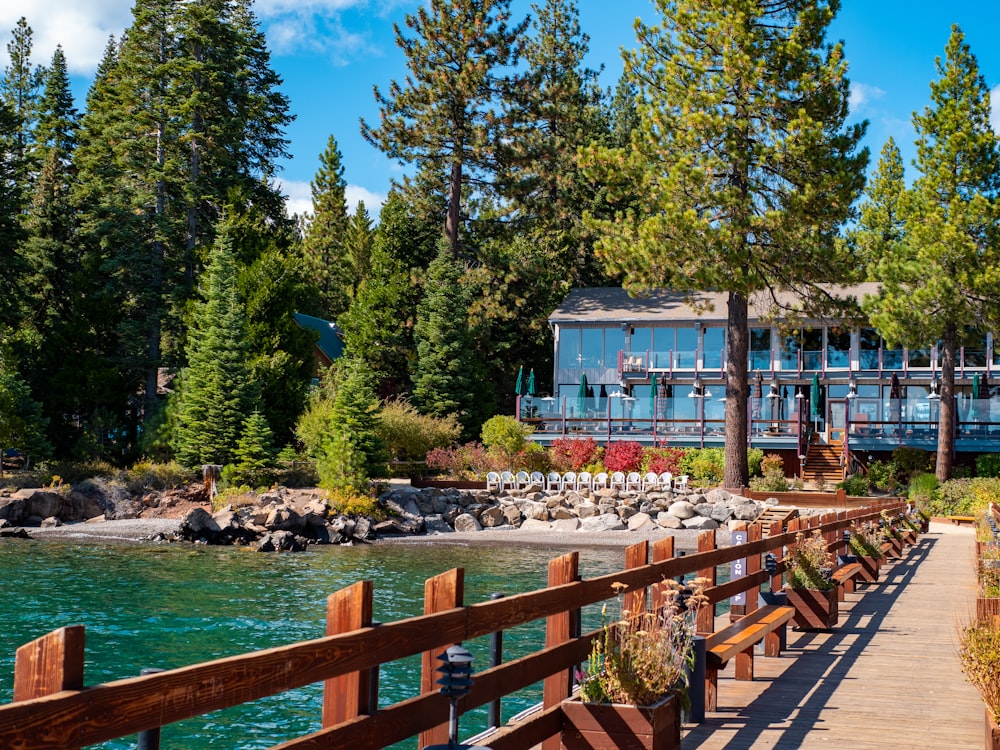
654,392
894,391
531,382
520,377
814,398
581,396
975,396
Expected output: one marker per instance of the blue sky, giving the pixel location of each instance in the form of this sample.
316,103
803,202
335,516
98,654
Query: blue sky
331,52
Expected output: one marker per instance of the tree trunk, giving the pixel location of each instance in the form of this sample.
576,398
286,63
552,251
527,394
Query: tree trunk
737,345
946,420
454,207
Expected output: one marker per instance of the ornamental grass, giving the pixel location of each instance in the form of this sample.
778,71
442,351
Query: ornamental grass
810,563
866,540
980,655
640,657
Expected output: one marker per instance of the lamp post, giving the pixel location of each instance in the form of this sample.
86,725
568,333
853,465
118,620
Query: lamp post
455,682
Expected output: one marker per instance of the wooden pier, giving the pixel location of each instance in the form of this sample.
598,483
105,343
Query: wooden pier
886,676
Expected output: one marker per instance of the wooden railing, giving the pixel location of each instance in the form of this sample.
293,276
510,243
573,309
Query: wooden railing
53,709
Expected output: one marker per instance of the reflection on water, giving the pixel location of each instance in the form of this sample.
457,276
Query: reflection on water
172,605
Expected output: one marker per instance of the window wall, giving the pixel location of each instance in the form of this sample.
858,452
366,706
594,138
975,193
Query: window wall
760,349
713,347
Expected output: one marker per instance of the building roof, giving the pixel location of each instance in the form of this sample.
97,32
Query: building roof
615,305
329,342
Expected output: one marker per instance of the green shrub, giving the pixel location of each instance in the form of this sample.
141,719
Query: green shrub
964,497
704,466
922,488
882,474
988,465
149,475
754,458
769,483
409,435
73,472
911,461
506,436
855,486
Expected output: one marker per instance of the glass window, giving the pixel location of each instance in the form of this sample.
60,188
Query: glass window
838,348
869,342
642,340
812,349
760,348
714,343
614,342
919,357
569,348
687,348
790,346
974,354
591,347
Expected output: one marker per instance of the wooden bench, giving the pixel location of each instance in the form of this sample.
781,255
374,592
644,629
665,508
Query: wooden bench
959,520
845,576
765,624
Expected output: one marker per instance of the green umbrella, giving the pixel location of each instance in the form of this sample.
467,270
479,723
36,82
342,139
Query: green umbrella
654,391
814,397
975,386
581,397
520,377
531,382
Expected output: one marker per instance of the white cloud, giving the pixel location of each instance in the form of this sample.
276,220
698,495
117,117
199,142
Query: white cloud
81,28
862,94
995,109
299,198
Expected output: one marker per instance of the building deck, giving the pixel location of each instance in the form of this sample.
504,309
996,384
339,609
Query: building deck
888,676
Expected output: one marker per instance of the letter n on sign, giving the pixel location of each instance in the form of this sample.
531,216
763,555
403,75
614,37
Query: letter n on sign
738,569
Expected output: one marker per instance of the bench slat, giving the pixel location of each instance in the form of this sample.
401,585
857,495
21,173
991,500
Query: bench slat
724,644
844,572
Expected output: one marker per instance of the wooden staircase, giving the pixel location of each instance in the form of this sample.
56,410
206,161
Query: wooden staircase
823,465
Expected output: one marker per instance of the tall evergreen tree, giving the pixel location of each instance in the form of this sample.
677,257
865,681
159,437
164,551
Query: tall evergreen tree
11,196
216,391
322,245
940,279
448,115
355,417
358,239
881,222
743,162
443,379
20,88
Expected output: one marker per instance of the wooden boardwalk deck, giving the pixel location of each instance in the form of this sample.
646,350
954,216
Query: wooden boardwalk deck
888,676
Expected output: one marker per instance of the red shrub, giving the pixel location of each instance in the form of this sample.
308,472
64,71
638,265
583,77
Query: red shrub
623,456
573,455
664,459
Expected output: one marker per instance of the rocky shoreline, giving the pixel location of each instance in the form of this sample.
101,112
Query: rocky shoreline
290,520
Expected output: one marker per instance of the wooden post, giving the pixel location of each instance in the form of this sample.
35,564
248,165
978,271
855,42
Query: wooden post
663,549
744,660
348,696
558,629
441,593
706,616
774,642
49,664
636,555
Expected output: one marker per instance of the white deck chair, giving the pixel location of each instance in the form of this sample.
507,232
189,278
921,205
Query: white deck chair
493,481
555,480
508,479
600,481
651,481
569,481
583,479
618,480
666,481
682,482
537,478
633,481
522,479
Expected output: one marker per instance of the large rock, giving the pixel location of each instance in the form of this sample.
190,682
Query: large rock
746,511
199,524
700,523
721,513
535,524
280,541
603,522
639,521
718,495
566,525
682,509
668,521
492,517
587,510
467,522
435,524
285,518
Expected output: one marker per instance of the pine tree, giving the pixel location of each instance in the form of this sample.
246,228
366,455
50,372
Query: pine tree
12,267
354,416
22,424
881,224
358,239
938,281
445,117
322,245
443,379
254,454
216,391
341,466
19,89
743,163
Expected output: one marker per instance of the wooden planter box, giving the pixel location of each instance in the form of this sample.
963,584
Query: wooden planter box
897,546
987,607
869,569
815,609
992,732
615,726
909,537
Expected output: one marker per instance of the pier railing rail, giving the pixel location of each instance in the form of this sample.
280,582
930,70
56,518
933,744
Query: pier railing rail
53,708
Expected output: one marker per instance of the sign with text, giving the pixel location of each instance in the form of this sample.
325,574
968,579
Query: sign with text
738,569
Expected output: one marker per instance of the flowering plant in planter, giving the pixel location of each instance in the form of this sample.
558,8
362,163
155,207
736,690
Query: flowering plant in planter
640,657
811,563
866,541
980,655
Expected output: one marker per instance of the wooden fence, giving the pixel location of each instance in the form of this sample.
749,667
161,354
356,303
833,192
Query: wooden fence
52,708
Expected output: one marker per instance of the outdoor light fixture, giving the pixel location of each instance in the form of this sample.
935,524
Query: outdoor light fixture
847,536
455,682
770,563
798,392
773,393
852,389
698,390
935,390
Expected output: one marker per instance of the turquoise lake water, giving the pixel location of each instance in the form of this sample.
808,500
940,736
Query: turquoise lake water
168,606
